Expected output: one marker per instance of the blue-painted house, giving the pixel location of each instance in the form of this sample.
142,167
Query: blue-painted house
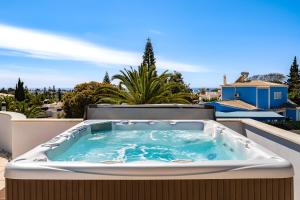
255,95
260,94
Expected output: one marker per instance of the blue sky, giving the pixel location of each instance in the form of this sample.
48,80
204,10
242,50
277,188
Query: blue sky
66,42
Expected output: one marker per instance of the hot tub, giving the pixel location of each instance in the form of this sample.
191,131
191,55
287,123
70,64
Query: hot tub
134,156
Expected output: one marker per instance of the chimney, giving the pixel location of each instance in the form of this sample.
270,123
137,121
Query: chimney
224,80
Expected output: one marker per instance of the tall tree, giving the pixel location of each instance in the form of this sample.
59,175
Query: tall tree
59,94
293,80
106,78
177,78
148,57
20,91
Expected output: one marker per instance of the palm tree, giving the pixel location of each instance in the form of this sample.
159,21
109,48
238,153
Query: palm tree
142,86
29,111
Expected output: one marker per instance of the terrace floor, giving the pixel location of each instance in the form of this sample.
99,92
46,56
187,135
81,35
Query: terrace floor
3,162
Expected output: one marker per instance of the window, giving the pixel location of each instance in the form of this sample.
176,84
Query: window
277,95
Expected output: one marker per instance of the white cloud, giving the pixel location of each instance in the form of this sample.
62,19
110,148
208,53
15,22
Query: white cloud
37,77
44,45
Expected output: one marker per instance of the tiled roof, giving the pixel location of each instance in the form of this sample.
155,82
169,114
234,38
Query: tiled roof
238,104
258,83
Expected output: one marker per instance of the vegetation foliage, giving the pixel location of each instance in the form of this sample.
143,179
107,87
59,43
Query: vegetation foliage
20,91
29,102
83,95
271,77
176,77
293,80
148,57
29,109
144,86
106,78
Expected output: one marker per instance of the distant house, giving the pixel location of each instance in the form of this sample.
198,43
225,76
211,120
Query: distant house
208,96
255,95
260,94
252,95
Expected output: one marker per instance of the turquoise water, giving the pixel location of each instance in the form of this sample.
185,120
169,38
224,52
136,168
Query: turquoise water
139,145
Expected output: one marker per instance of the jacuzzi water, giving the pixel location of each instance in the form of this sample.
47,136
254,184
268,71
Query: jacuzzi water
157,141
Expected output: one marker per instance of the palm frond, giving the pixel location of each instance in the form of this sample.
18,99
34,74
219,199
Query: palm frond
142,86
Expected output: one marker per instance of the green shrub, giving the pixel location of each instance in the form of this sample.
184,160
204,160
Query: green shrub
83,95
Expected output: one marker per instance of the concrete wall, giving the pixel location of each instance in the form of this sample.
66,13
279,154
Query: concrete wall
234,124
150,111
284,143
18,134
29,133
6,129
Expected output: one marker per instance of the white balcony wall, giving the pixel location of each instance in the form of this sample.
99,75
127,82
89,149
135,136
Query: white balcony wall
18,134
29,133
6,129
